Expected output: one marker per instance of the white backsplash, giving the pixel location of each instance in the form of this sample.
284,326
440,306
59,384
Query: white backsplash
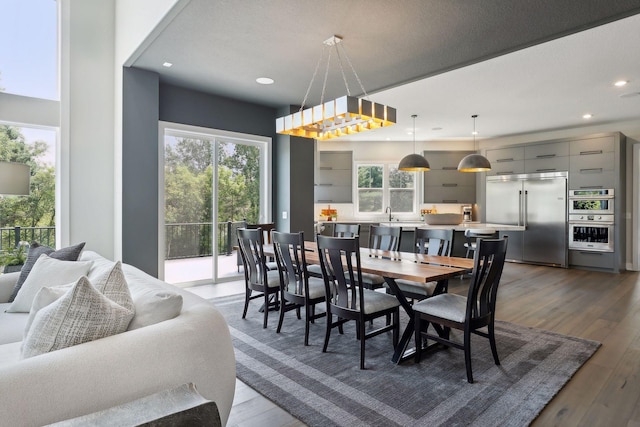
346,212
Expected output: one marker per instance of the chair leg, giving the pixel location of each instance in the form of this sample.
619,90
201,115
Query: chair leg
467,354
492,342
266,310
327,332
297,311
396,327
247,295
418,334
362,343
281,317
307,320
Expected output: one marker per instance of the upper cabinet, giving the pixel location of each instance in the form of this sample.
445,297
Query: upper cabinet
594,162
443,183
334,177
531,158
506,161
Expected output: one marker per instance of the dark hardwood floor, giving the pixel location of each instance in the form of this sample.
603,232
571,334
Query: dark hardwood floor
599,306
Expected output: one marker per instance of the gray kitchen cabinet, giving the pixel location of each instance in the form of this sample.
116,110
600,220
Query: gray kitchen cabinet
591,165
546,151
550,164
506,161
334,174
443,183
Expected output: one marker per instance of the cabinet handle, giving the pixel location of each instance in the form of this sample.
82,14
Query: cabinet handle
546,170
591,253
591,186
591,170
450,201
449,168
324,201
324,185
450,185
585,153
505,173
505,160
326,168
545,156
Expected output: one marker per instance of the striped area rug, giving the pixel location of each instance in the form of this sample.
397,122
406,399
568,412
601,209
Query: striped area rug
328,389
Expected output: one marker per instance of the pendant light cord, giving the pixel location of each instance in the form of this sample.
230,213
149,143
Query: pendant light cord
414,132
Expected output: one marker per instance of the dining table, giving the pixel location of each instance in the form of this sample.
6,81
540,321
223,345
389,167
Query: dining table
394,265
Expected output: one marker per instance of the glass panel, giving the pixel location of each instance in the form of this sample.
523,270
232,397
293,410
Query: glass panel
401,200
370,176
400,179
28,48
188,214
370,200
34,215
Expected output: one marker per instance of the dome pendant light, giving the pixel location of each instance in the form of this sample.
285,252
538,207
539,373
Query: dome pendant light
474,162
414,162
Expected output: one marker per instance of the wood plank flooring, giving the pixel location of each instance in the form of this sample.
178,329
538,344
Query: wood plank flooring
599,306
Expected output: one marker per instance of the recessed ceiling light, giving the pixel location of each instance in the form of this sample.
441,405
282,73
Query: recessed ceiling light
264,80
620,83
167,64
587,116
475,132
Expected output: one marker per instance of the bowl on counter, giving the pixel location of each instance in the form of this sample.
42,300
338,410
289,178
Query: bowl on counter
443,218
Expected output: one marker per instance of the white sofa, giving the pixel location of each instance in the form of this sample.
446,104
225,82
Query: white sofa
193,347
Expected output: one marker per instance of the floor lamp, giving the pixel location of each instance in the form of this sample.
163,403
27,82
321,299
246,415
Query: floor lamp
15,180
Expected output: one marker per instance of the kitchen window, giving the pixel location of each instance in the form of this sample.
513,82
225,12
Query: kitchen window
381,185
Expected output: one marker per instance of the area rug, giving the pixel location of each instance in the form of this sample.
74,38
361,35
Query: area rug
329,389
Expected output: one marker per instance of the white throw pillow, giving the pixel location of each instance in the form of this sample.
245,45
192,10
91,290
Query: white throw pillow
154,306
47,271
43,298
82,314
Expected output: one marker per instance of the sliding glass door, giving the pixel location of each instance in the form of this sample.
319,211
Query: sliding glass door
213,182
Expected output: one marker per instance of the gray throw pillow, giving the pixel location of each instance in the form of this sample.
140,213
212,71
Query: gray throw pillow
70,253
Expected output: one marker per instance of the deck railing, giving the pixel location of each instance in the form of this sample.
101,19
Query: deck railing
189,240
10,237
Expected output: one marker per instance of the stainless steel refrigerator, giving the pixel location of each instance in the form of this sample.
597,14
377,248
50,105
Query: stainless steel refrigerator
538,202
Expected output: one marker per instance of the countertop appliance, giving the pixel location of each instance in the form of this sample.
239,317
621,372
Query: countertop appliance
591,202
537,201
591,232
467,213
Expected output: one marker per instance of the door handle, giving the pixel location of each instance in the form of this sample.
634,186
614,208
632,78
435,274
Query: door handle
519,208
526,208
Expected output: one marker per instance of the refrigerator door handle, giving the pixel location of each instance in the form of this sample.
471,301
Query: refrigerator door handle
526,208
519,208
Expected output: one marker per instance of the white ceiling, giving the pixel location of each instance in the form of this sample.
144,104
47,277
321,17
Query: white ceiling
414,56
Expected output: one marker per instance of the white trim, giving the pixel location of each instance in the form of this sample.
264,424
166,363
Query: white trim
635,202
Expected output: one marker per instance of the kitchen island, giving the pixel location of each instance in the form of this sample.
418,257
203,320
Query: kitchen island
408,227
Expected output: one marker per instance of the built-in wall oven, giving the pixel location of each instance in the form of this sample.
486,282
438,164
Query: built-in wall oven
591,219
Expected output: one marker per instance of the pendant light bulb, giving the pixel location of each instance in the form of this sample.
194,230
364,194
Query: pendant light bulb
474,162
414,162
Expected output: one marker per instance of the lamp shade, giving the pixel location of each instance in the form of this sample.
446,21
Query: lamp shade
474,163
14,179
414,163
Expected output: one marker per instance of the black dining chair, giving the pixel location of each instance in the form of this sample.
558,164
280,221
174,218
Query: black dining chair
468,314
257,277
340,265
473,234
430,242
297,289
339,230
267,228
382,238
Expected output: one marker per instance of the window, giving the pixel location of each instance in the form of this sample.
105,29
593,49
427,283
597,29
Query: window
383,185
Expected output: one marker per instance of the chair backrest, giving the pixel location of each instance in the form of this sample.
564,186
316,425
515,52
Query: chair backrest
340,264
488,263
385,238
266,228
289,250
433,241
250,243
346,230
483,233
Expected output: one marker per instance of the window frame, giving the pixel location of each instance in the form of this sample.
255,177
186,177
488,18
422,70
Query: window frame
386,192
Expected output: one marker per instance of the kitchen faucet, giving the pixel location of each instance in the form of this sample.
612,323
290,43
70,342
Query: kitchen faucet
388,210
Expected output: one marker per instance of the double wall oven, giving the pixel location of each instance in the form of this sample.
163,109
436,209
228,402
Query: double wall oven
591,219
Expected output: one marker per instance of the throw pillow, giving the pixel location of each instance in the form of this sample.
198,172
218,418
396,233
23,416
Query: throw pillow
154,306
70,253
82,314
47,271
43,298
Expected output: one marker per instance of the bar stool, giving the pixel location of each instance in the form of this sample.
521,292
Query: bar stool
472,234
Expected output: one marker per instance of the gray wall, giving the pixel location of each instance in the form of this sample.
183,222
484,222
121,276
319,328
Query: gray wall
140,169
145,102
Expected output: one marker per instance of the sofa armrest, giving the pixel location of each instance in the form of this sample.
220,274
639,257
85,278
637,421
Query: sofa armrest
7,282
193,347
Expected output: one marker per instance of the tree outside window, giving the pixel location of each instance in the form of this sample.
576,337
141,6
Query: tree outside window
382,185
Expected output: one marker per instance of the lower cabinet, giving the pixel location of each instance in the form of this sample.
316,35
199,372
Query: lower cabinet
592,260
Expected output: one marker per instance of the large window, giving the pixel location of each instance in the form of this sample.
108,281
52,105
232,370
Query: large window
382,185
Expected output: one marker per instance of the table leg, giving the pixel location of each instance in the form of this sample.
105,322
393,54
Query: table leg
401,353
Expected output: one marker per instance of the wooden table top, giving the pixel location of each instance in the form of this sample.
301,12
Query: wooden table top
398,265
